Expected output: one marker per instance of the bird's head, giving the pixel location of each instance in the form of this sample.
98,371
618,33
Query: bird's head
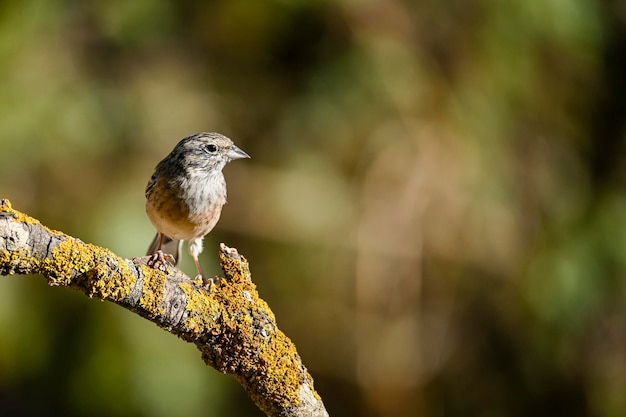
208,151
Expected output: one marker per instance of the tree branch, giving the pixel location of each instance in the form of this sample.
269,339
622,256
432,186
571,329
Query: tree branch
233,328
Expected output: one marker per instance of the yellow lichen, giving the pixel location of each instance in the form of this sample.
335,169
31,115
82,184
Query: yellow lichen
153,290
19,261
114,282
80,265
236,270
67,259
262,360
202,310
5,206
281,369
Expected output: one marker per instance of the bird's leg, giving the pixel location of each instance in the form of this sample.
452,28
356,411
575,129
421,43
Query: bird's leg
205,281
195,248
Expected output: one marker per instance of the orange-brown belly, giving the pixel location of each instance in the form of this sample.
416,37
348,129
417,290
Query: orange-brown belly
172,218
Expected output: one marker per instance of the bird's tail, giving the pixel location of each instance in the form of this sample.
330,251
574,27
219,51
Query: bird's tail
170,246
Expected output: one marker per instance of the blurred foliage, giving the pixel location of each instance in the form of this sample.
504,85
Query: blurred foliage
435,207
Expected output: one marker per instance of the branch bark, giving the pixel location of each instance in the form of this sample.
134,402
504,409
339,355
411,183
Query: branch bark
233,328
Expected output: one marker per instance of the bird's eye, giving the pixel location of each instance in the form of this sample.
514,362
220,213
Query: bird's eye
211,148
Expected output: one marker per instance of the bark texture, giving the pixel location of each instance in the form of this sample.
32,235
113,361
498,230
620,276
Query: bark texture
233,328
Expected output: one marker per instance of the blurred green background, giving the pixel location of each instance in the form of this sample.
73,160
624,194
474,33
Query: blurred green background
434,208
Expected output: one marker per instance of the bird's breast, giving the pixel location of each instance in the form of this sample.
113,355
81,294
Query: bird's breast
189,208
204,192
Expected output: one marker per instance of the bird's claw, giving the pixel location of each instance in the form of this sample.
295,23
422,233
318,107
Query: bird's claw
159,260
207,283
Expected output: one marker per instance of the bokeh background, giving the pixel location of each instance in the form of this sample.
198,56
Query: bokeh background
435,208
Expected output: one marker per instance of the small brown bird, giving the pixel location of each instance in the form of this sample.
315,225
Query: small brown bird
185,195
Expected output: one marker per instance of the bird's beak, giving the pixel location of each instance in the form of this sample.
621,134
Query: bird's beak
236,153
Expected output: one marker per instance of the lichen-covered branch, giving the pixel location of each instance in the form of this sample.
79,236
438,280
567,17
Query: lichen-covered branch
233,328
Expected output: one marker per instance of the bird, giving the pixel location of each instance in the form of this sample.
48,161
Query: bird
185,196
